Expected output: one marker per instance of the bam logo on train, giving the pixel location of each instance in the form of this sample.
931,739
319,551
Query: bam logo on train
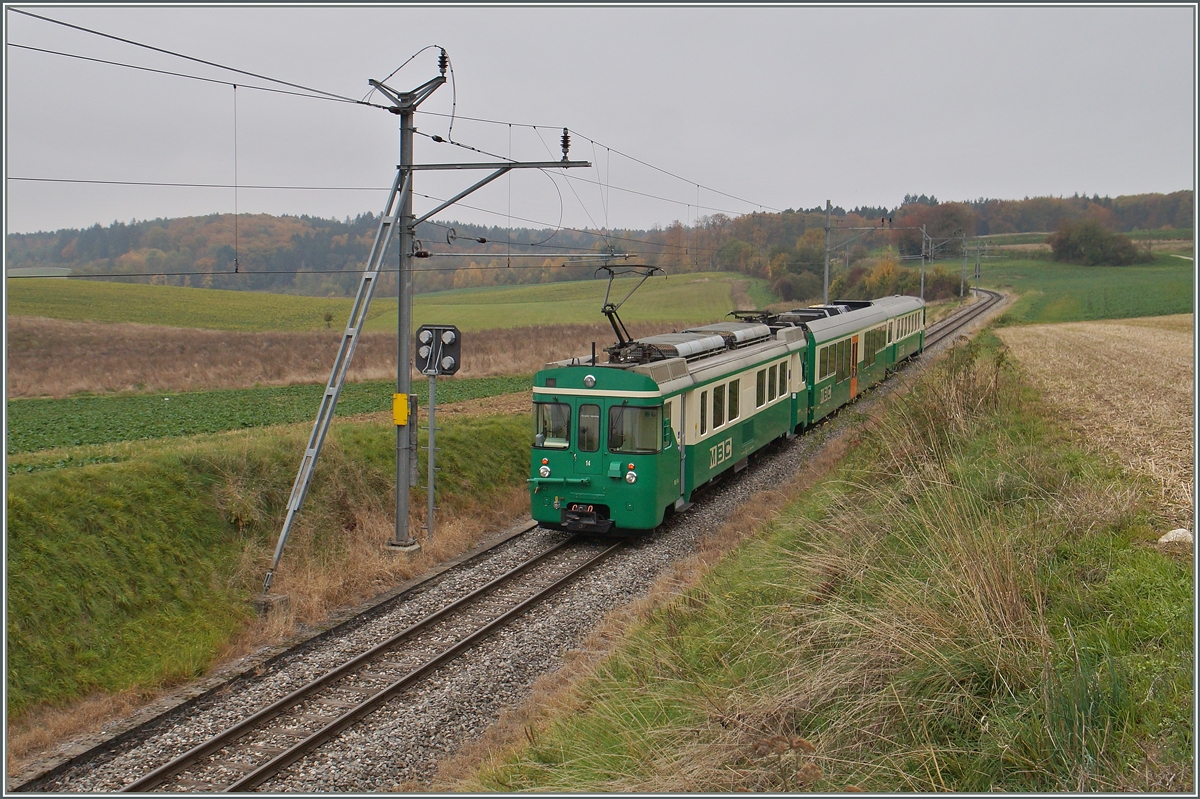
722,452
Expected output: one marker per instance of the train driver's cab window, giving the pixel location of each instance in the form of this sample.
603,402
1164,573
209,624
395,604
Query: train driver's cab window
589,428
634,430
551,425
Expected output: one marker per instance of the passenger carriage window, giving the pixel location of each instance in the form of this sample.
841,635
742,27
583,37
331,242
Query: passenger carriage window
718,406
589,428
551,425
771,372
735,390
703,412
634,430
783,379
760,389
823,371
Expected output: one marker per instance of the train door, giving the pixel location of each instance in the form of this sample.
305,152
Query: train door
673,437
853,367
588,454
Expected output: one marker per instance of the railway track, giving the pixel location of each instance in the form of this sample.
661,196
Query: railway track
956,321
251,752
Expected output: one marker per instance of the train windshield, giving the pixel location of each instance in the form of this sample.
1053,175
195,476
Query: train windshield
634,430
551,425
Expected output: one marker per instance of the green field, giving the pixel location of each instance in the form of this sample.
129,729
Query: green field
1055,292
681,298
39,424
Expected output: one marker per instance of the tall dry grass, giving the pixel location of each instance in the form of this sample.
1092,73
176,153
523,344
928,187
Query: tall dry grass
892,634
58,358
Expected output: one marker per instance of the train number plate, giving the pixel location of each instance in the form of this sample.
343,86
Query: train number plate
722,452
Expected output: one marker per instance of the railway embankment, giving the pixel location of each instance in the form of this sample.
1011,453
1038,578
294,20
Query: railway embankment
130,564
974,600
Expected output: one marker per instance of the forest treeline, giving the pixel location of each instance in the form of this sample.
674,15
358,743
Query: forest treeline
323,257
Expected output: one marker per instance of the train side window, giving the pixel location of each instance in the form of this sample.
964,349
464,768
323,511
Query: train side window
589,428
703,412
634,430
760,389
771,378
735,390
718,406
783,379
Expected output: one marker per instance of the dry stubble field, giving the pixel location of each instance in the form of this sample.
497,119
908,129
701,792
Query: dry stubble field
1127,385
58,358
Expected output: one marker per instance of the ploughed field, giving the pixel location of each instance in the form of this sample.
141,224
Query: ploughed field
1127,385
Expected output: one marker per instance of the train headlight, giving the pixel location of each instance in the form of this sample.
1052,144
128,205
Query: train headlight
544,471
631,477
589,381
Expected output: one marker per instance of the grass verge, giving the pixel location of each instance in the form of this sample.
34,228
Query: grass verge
134,574
973,604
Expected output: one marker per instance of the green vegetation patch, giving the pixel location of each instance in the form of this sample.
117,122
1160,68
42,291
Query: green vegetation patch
973,604
135,574
1054,292
675,298
39,424
175,306
682,298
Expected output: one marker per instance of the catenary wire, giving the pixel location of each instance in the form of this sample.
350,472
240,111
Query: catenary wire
178,74
187,57
452,116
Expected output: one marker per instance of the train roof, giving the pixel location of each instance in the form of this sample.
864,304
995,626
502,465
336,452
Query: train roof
696,352
862,315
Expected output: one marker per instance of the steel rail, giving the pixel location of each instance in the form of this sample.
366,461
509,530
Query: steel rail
248,724
282,761
945,327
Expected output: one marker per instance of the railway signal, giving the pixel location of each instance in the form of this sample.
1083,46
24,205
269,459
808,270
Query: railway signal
439,352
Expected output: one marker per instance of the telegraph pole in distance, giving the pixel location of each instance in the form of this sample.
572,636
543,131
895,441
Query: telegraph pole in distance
924,236
827,207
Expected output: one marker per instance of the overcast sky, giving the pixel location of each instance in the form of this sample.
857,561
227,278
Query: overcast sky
780,107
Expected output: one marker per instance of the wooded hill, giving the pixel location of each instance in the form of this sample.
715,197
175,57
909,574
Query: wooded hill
323,257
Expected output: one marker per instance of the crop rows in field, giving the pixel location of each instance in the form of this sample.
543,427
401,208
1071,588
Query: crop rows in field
40,424
1054,292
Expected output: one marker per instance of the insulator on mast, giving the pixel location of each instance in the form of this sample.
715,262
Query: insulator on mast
443,61
566,143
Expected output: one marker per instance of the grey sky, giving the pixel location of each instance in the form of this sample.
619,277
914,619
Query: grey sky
781,106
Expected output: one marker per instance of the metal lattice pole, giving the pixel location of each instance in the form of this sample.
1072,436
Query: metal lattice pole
337,377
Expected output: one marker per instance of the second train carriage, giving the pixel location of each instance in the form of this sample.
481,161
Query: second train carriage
617,445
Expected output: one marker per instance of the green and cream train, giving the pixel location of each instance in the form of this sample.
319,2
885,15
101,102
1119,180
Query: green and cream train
618,445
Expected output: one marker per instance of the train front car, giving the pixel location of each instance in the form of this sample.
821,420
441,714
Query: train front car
605,457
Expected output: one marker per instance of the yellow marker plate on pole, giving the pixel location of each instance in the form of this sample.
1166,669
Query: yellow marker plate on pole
400,409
